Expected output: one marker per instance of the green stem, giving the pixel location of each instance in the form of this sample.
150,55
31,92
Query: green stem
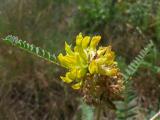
98,112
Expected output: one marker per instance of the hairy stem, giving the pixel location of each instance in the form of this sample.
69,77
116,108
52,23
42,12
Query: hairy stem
155,116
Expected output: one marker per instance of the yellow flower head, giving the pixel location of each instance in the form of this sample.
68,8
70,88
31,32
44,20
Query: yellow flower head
92,70
86,59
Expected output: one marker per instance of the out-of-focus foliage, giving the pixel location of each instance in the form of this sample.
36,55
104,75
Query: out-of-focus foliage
35,21
29,87
93,15
139,13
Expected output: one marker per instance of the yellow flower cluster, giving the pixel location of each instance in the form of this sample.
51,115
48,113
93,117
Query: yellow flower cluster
85,59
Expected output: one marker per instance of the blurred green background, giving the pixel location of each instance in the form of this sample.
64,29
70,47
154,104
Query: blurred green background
30,88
